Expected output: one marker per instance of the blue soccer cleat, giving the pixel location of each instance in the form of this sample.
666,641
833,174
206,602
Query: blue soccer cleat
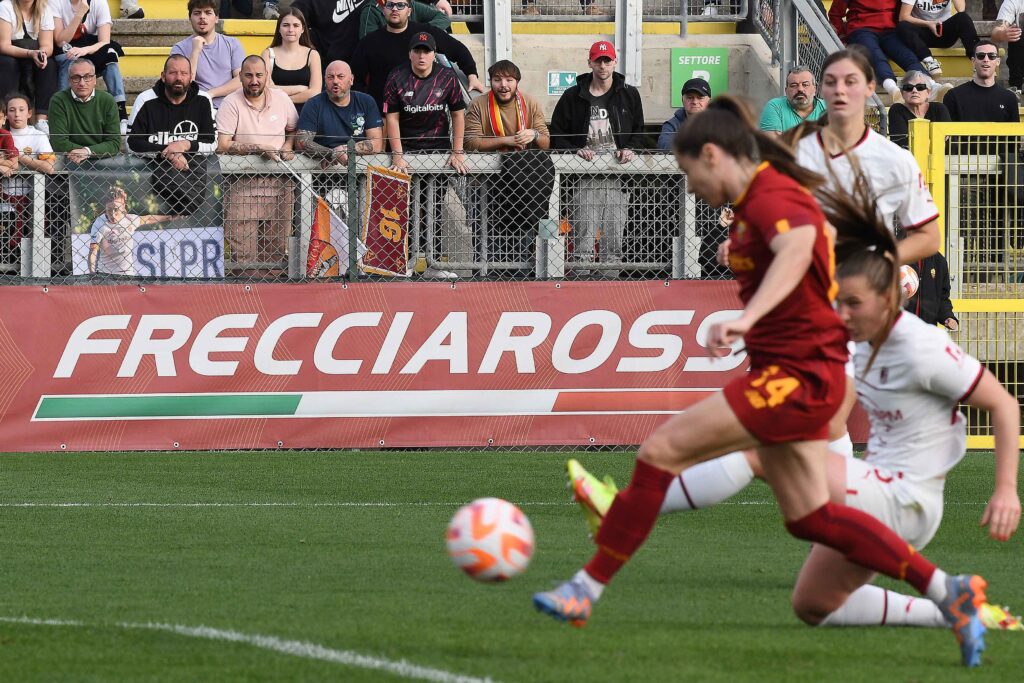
965,595
569,602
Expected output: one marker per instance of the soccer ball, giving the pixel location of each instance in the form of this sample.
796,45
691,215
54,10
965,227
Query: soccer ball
490,539
909,281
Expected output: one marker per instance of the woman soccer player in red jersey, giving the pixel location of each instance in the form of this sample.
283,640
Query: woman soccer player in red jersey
782,257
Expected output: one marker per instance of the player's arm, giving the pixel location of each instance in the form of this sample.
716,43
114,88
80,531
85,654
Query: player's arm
1002,514
156,218
919,244
94,253
225,88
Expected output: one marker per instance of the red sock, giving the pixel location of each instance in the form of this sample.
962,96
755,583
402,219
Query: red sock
864,540
629,520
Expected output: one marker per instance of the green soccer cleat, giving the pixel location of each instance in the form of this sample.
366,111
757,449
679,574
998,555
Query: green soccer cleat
593,495
997,618
964,598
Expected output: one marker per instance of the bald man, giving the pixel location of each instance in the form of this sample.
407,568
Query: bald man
332,118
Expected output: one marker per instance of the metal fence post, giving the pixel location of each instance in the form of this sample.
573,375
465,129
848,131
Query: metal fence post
353,213
497,30
629,32
684,18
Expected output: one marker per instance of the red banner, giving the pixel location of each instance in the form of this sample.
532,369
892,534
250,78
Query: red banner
364,365
385,223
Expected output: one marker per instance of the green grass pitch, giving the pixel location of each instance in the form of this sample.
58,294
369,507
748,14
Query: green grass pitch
705,600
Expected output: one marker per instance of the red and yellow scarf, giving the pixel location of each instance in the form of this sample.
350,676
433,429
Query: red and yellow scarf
522,121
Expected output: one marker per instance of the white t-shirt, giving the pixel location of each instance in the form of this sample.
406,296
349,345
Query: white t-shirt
30,141
116,242
7,14
929,10
911,394
1010,10
98,15
895,179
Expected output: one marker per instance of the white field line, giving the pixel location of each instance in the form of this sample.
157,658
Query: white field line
294,648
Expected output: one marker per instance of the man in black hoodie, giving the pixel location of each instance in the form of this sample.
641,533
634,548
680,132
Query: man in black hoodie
600,115
172,124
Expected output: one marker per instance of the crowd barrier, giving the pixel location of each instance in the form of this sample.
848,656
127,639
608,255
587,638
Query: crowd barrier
589,10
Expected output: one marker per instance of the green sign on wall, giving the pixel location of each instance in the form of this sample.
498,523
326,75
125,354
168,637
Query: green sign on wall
709,63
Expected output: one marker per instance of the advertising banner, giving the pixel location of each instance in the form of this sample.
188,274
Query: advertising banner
355,365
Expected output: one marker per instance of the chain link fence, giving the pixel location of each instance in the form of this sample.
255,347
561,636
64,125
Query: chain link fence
510,216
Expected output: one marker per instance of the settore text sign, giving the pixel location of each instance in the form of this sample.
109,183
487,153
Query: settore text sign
709,63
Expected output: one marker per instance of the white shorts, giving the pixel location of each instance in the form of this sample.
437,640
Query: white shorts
878,492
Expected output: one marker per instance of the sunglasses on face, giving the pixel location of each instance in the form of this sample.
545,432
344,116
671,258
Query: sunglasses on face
981,56
910,87
396,5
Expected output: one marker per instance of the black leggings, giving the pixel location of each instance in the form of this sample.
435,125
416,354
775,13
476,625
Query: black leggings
23,75
920,38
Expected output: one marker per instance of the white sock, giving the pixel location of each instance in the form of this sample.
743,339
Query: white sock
889,85
937,587
708,483
594,587
843,446
874,606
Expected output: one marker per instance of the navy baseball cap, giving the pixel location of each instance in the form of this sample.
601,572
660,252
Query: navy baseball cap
698,85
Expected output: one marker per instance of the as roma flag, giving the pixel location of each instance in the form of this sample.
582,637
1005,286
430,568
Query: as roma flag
385,234
328,243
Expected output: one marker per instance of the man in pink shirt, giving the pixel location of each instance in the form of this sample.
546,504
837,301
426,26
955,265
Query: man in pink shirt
258,210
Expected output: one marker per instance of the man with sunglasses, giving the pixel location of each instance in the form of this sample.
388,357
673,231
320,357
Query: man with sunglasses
374,16
385,49
980,99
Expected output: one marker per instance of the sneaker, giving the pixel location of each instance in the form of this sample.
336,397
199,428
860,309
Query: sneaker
999,618
432,273
124,127
965,594
710,9
271,12
43,126
939,92
569,602
130,10
933,66
594,497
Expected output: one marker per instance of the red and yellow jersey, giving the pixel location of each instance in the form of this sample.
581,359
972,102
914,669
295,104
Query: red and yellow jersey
804,325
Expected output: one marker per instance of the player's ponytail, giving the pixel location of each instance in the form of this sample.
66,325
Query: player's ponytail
728,123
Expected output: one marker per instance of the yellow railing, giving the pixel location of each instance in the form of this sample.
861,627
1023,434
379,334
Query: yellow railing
975,172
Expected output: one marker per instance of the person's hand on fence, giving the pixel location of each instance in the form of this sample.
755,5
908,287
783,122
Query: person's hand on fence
524,138
723,254
457,160
398,163
79,155
475,84
286,155
587,154
625,155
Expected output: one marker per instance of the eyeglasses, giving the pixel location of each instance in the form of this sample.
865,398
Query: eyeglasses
80,79
982,56
396,5
910,87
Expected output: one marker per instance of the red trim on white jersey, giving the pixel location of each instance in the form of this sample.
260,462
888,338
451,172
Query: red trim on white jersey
974,385
867,131
921,224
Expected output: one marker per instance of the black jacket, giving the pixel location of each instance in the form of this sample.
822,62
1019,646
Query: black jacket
571,120
931,303
156,122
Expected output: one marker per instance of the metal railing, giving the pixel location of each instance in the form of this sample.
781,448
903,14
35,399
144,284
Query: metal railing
605,10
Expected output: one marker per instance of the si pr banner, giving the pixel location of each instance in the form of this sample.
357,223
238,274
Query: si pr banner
385,231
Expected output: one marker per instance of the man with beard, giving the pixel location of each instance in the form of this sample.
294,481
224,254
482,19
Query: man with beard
332,118
509,121
172,125
383,50
215,58
257,120
800,104
696,97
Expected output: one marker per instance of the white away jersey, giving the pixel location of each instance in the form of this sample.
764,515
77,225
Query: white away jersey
911,394
116,242
895,179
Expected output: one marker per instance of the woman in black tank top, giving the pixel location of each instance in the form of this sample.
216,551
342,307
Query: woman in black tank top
294,64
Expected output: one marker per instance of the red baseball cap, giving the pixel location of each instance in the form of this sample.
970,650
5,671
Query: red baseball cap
602,48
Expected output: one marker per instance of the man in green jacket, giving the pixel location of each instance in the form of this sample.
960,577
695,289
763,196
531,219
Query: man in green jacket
84,122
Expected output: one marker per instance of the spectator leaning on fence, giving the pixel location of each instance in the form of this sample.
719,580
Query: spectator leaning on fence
215,58
26,51
83,120
82,31
510,121
381,51
257,120
294,64
926,24
915,105
337,115
172,124
1008,28
800,103
696,96
600,115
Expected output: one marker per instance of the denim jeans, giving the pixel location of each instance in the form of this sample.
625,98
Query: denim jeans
111,76
883,46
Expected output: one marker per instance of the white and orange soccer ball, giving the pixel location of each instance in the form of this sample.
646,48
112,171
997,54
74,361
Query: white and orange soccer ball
909,281
490,539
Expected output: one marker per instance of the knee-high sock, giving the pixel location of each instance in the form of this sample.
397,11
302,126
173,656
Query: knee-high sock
843,445
864,540
874,606
708,483
629,520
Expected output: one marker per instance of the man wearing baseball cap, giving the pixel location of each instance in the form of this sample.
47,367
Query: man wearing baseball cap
598,117
696,96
